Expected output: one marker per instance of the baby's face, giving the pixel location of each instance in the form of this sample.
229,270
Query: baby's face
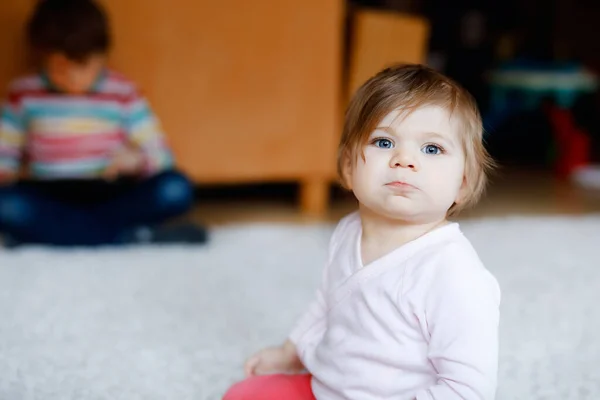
413,167
74,77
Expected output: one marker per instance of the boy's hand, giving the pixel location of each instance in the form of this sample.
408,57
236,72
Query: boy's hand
280,359
126,161
7,178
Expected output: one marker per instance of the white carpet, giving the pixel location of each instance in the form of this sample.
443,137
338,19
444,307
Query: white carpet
177,323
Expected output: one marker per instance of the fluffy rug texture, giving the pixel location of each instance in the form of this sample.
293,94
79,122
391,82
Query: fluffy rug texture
177,322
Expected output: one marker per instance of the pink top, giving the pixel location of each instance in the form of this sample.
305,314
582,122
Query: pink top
419,323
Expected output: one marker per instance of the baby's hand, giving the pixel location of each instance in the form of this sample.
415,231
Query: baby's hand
126,161
272,360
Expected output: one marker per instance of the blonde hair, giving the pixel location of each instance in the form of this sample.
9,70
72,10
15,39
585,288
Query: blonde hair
410,86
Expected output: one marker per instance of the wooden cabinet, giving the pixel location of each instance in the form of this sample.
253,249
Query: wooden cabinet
246,90
383,38
13,14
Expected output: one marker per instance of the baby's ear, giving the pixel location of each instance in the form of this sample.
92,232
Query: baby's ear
463,192
346,171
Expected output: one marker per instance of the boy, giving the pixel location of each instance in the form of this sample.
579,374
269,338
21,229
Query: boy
97,166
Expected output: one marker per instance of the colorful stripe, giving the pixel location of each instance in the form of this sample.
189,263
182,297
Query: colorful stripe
68,136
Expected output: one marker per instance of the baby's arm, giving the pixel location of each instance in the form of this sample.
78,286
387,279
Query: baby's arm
287,356
462,314
12,138
317,310
315,313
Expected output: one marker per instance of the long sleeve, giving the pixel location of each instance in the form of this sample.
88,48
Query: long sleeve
143,130
462,314
316,311
318,308
12,137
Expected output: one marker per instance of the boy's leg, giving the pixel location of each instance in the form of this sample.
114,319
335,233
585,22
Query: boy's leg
272,387
29,215
42,214
150,201
144,206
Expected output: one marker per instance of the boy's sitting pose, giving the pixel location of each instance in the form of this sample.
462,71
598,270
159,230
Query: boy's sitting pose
95,164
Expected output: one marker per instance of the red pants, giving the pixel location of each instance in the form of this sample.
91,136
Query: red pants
272,387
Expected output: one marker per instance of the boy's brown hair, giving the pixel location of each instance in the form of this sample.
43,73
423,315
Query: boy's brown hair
411,86
76,28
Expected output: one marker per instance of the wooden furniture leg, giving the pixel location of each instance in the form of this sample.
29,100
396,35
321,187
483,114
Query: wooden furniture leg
314,196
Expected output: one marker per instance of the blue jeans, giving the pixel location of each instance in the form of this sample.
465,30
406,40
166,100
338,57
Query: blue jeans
88,213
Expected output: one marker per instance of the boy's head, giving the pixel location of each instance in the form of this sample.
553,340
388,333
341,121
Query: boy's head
72,37
411,146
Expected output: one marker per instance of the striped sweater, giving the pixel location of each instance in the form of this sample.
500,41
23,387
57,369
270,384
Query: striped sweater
63,136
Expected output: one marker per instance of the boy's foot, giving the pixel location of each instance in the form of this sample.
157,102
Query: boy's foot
184,233
10,242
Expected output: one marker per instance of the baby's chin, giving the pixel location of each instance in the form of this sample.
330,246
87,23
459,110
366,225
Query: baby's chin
401,210
406,210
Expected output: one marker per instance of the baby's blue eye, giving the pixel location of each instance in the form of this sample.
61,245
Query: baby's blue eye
383,143
432,149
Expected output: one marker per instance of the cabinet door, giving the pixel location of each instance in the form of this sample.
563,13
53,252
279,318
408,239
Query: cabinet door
246,90
13,15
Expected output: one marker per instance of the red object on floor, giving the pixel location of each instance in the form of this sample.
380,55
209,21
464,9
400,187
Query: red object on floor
572,142
272,387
